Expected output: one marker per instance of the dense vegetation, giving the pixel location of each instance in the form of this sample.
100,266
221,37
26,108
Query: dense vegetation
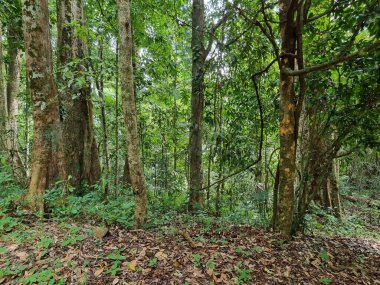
189,119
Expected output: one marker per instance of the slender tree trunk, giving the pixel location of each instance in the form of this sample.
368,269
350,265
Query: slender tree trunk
116,182
334,192
80,161
287,166
197,105
43,90
100,87
275,197
209,177
13,89
129,108
3,101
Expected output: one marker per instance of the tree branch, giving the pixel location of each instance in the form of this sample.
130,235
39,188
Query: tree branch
329,64
334,8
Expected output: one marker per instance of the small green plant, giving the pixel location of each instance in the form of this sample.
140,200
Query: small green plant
45,242
240,250
324,256
210,265
71,240
116,256
325,280
220,241
257,249
152,262
115,268
197,260
243,274
3,249
7,224
46,276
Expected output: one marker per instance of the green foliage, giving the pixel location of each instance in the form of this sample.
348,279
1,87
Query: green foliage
243,274
257,249
115,268
210,264
45,242
152,262
7,224
325,258
325,280
323,222
116,256
91,205
197,260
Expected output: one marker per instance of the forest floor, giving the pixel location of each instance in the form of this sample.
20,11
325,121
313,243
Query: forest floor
51,252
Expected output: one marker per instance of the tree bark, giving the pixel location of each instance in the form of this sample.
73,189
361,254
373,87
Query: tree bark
197,105
287,166
116,175
334,191
3,101
100,85
127,174
80,160
13,89
43,90
129,109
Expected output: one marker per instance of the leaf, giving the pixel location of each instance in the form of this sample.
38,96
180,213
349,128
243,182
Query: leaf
100,232
316,262
161,255
132,265
99,271
267,270
22,255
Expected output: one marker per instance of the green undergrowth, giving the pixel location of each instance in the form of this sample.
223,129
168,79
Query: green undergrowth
353,224
168,210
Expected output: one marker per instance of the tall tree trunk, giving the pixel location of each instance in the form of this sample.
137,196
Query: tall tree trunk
100,86
3,101
287,166
129,108
116,182
43,90
80,161
13,89
197,105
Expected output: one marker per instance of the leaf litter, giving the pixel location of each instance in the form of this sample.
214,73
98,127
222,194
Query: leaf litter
236,255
